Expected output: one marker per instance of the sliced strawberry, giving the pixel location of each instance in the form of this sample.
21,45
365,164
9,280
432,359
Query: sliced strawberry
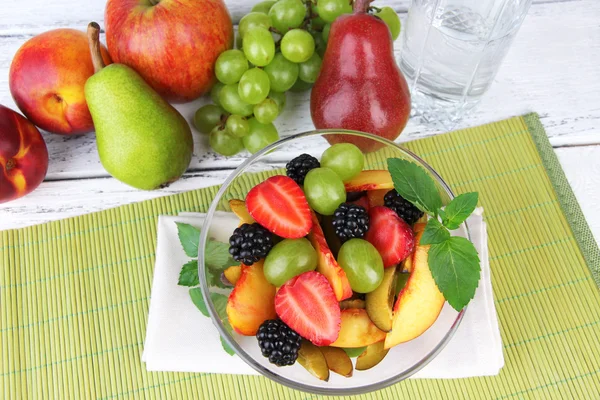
279,205
307,304
393,238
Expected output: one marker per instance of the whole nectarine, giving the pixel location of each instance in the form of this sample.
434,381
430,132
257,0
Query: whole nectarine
23,156
47,76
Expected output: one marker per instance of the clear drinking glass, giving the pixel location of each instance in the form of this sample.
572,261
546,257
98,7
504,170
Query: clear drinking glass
451,51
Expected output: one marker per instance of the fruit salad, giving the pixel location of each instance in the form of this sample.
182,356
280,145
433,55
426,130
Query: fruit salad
331,265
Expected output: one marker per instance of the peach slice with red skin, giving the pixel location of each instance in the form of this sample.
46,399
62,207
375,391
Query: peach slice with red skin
252,300
326,263
419,303
357,329
239,208
233,273
370,180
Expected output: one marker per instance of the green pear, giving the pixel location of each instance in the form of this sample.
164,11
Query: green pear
142,140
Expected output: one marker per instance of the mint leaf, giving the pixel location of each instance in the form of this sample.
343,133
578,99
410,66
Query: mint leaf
415,185
217,255
455,267
434,233
227,348
196,295
459,209
189,274
189,238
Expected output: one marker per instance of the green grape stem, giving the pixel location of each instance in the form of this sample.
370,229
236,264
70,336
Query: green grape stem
361,6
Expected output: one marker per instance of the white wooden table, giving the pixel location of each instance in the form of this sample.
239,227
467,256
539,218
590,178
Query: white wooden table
553,68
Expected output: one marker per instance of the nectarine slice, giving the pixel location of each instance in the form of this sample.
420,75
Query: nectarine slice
357,329
312,359
326,263
418,304
372,356
380,301
370,180
375,197
233,273
252,300
239,208
338,361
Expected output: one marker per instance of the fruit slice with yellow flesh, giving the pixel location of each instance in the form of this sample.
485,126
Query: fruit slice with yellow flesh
380,301
357,329
233,273
239,208
252,300
338,361
326,263
418,304
312,359
370,180
372,356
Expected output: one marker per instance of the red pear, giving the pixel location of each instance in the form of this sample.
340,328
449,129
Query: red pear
360,86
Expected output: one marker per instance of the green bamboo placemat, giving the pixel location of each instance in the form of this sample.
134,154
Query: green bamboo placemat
74,294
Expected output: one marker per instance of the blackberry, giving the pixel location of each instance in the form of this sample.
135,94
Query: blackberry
249,243
350,221
278,342
405,210
299,167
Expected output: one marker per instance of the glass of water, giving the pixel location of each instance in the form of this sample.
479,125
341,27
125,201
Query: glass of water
451,51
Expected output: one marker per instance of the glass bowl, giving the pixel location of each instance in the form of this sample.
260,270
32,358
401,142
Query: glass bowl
403,360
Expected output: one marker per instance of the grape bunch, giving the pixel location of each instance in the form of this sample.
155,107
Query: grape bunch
280,46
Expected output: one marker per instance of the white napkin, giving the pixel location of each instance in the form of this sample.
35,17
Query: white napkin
179,338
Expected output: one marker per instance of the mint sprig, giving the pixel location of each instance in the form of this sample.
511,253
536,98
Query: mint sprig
453,261
217,259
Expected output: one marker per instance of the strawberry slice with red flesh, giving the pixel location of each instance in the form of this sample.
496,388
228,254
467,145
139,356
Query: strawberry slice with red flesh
391,236
279,205
307,304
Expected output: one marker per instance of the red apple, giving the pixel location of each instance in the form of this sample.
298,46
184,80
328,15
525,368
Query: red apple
23,156
47,76
172,44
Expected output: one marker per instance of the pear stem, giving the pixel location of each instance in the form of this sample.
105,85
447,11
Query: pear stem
93,33
154,2
361,6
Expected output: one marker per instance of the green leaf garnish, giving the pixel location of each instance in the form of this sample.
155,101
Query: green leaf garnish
459,209
415,185
454,265
220,304
453,260
434,232
189,274
198,300
189,238
217,255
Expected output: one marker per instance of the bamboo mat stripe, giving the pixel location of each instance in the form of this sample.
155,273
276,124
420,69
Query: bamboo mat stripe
74,294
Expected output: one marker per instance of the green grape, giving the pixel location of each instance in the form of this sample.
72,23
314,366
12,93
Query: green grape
297,45
320,45
301,86
230,66
329,10
309,70
214,93
325,32
260,135
317,23
259,46
289,258
230,100
237,126
362,264
354,352
223,143
389,16
266,111
324,190
207,117
253,20
345,159
282,73
279,99
287,14
263,6
254,86
239,42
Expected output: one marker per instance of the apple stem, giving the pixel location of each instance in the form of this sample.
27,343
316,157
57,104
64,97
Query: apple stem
361,6
93,33
10,164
